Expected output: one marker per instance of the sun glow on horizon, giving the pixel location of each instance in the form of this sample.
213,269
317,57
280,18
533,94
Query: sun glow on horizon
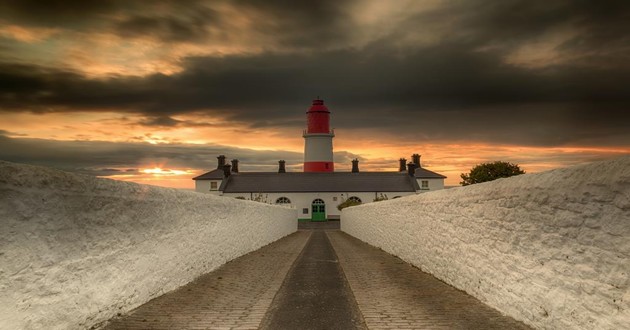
165,171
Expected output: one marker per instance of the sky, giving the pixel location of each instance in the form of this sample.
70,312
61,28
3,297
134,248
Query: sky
153,91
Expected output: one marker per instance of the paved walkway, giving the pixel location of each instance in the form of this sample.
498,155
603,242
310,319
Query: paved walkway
392,294
316,279
235,296
315,286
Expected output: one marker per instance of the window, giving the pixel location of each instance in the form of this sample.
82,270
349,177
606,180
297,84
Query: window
213,185
283,200
355,199
425,184
305,211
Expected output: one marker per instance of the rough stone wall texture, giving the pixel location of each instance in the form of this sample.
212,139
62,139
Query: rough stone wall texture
76,250
551,249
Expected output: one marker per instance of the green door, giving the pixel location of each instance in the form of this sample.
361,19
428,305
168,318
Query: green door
318,210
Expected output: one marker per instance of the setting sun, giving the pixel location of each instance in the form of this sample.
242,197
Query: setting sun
160,171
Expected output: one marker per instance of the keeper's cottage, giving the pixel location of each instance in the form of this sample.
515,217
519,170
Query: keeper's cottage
317,191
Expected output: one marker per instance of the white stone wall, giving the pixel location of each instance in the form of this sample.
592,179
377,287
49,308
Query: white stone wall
300,201
76,250
551,249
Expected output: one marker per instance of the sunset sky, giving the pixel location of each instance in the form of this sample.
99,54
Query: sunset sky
154,91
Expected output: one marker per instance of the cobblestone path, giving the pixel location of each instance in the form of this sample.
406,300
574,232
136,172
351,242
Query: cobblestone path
299,282
235,296
315,294
392,294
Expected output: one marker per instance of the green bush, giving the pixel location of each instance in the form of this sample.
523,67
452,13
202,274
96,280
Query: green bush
490,171
347,203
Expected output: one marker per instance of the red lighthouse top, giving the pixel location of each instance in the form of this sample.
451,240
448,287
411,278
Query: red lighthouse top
318,118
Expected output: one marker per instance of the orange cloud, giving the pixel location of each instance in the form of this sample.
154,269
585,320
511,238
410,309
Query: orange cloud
28,35
378,153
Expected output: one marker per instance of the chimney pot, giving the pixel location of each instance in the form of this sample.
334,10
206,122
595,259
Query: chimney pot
235,165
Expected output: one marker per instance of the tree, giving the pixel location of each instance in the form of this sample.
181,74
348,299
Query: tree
490,171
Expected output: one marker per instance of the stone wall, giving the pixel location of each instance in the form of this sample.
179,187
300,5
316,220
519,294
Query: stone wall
551,249
76,250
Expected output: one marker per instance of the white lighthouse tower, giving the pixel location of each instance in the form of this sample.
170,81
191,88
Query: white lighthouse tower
318,147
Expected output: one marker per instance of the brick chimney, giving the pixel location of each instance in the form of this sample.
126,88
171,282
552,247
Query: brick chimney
411,169
355,165
416,160
221,162
226,170
235,165
281,168
402,165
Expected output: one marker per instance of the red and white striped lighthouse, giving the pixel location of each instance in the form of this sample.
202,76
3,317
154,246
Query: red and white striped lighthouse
318,148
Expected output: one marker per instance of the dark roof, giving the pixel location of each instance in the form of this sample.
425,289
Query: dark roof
212,175
312,182
426,174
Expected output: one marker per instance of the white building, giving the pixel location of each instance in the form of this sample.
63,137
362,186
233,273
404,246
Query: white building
317,191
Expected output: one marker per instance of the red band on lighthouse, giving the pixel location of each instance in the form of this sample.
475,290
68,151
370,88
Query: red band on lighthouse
318,150
318,167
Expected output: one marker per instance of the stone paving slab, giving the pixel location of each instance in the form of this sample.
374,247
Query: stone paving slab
235,296
315,293
393,294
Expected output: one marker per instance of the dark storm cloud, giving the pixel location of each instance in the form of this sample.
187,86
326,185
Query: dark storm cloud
445,77
485,21
110,158
289,23
310,23
459,88
72,14
292,23
461,93
180,23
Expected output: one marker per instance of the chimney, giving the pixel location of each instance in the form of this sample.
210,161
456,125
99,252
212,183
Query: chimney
281,168
226,170
235,165
403,165
416,160
355,165
411,169
221,159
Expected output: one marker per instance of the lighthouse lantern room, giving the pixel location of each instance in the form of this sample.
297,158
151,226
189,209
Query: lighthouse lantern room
318,147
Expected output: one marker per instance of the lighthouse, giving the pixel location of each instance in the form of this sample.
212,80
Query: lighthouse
318,148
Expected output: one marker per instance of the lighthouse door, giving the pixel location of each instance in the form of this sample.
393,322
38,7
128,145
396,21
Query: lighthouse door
318,210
